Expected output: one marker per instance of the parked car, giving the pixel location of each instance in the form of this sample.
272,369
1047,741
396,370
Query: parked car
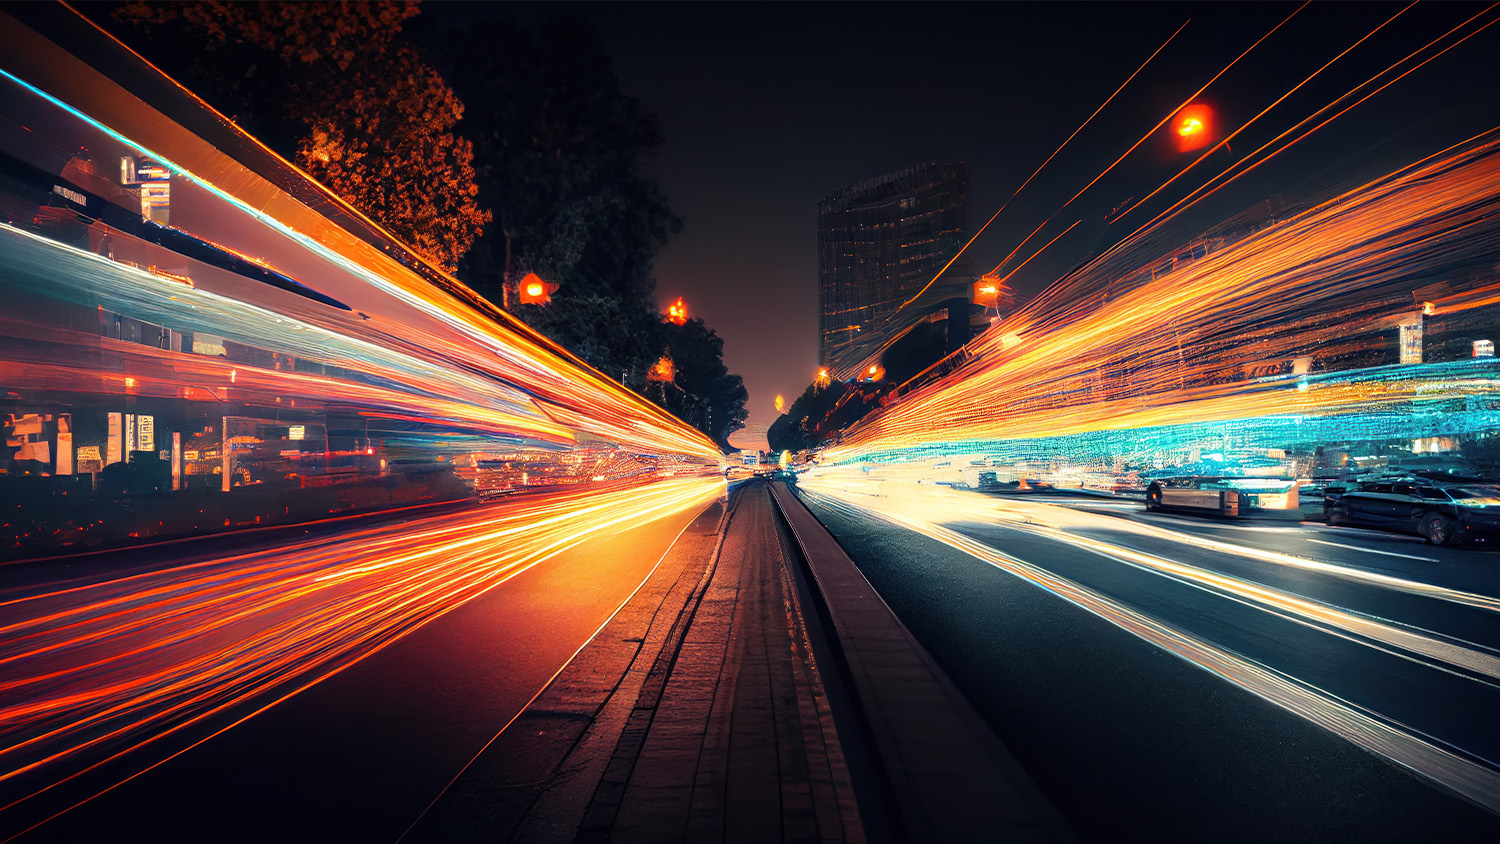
1440,514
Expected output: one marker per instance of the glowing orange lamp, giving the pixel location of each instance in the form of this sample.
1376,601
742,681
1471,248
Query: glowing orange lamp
535,291
1193,127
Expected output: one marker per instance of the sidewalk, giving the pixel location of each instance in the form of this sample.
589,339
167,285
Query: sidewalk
696,714
705,711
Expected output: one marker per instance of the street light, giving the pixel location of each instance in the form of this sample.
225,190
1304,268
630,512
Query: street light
1194,127
663,370
536,291
677,312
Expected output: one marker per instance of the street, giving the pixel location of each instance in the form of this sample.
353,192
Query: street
374,666
1186,678
635,423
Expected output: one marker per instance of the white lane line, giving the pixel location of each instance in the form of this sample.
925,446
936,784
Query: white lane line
1409,750
1219,526
1373,551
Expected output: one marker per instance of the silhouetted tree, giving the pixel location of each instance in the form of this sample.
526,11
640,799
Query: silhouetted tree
714,399
560,151
334,87
618,338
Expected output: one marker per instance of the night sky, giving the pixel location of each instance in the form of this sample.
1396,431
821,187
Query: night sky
770,107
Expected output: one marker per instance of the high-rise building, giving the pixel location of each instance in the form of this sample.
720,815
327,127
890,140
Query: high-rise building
879,244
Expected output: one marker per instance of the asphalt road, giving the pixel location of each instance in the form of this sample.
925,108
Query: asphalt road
345,711
1183,678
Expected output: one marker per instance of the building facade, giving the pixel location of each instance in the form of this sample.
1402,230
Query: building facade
880,242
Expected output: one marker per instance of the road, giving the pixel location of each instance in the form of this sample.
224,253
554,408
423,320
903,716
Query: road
325,687
1183,678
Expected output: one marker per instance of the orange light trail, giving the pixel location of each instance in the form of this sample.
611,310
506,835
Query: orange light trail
433,316
1043,165
1209,186
1173,350
109,667
1247,124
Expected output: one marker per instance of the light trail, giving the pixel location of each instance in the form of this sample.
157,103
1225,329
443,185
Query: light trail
1198,194
1247,124
1007,276
478,336
1424,755
102,669
1159,353
1185,103
1043,165
399,387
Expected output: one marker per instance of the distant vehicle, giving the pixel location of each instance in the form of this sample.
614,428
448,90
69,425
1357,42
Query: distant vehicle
1439,514
1233,497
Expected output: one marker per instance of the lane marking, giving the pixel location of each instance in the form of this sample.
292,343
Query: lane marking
1372,533
1373,551
1169,519
1406,748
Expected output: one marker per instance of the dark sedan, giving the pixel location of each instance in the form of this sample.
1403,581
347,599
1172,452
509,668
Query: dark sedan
1441,514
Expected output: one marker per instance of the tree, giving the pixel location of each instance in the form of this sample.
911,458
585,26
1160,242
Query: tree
619,339
560,152
335,88
713,399
821,412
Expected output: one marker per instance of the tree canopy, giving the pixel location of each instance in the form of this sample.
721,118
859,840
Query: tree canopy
560,152
336,88
548,176
821,412
713,398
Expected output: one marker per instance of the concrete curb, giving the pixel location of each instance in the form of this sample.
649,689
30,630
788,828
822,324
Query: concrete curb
947,775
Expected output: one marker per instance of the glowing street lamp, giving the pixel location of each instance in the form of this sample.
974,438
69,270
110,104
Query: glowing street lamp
535,291
663,370
677,312
990,290
1193,127
823,379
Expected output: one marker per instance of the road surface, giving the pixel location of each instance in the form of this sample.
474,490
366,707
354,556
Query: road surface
1183,678
324,688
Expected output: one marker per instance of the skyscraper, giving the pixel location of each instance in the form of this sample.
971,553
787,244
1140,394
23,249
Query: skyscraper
879,243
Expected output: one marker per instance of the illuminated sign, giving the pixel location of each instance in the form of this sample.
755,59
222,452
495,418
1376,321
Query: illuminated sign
112,445
1411,342
71,195
145,433
1484,349
296,432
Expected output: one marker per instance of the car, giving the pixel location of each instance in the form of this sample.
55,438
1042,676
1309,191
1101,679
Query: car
1228,496
1439,514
